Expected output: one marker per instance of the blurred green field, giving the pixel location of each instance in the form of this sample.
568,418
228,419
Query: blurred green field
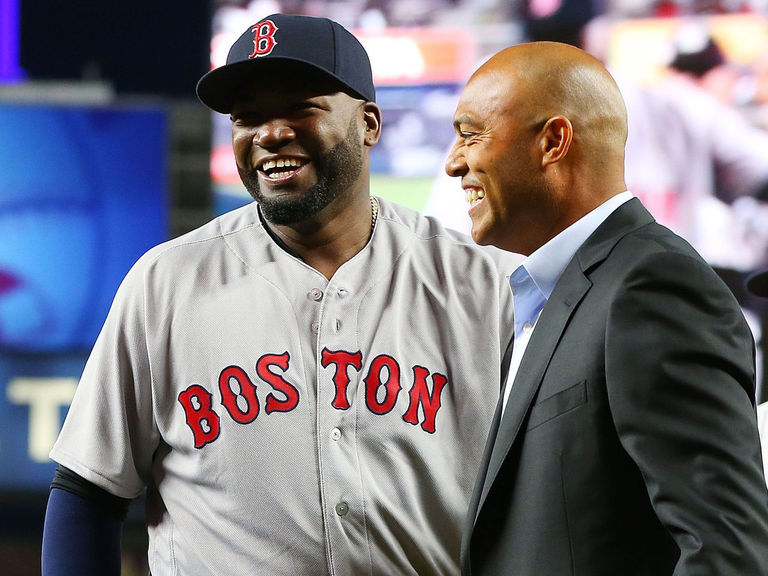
409,192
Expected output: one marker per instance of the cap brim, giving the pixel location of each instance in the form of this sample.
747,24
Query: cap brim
757,283
219,88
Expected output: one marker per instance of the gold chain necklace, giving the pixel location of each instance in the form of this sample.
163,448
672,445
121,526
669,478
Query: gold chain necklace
374,211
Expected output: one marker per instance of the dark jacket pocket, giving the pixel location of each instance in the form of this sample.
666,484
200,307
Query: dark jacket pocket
557,404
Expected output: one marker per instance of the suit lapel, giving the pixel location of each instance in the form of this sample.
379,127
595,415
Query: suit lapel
570,289
568,293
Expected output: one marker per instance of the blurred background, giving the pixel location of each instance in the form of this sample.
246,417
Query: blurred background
105,151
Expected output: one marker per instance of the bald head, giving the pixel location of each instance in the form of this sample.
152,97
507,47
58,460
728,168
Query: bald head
541,134
545,79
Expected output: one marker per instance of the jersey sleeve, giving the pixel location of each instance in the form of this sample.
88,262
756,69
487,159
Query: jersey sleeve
109,434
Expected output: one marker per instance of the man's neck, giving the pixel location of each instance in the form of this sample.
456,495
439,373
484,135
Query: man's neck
327,244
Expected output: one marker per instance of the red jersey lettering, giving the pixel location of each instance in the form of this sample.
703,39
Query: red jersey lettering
201,418
373,382
247,393
420,396
341,360
273,404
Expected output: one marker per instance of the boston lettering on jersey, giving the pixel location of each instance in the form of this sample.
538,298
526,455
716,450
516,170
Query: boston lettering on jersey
243,405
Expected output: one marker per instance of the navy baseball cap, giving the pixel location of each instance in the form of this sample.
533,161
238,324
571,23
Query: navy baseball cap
319,43
757,283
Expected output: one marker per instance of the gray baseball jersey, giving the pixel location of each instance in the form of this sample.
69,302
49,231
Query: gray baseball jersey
287,424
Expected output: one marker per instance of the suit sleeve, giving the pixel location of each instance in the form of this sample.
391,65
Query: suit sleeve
680,379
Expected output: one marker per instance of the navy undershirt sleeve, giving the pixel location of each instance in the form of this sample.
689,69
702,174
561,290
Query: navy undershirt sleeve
82,530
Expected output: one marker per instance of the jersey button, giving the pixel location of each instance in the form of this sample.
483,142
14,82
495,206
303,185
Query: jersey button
316,294
342,292
315,327
342,508
335,434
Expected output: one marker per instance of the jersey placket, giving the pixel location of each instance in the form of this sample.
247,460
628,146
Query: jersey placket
340,366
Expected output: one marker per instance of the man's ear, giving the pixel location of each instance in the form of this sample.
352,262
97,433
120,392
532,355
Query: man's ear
555,140
372,117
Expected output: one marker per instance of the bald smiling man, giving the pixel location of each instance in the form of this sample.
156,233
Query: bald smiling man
625,440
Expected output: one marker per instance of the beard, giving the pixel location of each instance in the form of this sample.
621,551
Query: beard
336,171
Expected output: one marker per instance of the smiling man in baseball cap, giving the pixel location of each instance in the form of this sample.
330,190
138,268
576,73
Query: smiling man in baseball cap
297,384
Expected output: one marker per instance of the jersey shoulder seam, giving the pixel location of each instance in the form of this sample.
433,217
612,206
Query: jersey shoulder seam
178,243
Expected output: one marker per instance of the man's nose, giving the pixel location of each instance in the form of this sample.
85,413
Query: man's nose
455,164
273,134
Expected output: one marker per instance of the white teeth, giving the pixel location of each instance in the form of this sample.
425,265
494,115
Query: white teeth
473,195
281,163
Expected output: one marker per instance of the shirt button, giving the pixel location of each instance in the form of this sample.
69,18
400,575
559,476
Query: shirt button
527,327
316,294
315,327
335,434
342,508
342,292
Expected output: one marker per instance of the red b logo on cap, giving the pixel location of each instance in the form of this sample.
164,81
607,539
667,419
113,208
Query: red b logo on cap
264,38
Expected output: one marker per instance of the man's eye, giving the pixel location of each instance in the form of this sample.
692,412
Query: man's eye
243,119
304,105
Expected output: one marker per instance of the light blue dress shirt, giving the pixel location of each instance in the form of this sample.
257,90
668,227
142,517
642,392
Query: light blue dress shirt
534,280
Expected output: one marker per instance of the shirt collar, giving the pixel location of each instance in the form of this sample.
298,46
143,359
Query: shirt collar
546,264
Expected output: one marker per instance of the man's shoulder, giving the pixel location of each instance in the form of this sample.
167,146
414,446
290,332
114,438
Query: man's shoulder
653,257
632,230
655,238
218,236
233,222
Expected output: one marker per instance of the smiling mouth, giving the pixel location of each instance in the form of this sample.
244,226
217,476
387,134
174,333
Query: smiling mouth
280,168
473,195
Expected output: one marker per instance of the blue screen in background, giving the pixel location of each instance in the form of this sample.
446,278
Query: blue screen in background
82,195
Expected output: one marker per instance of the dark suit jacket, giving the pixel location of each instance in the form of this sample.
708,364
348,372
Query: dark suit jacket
629,444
